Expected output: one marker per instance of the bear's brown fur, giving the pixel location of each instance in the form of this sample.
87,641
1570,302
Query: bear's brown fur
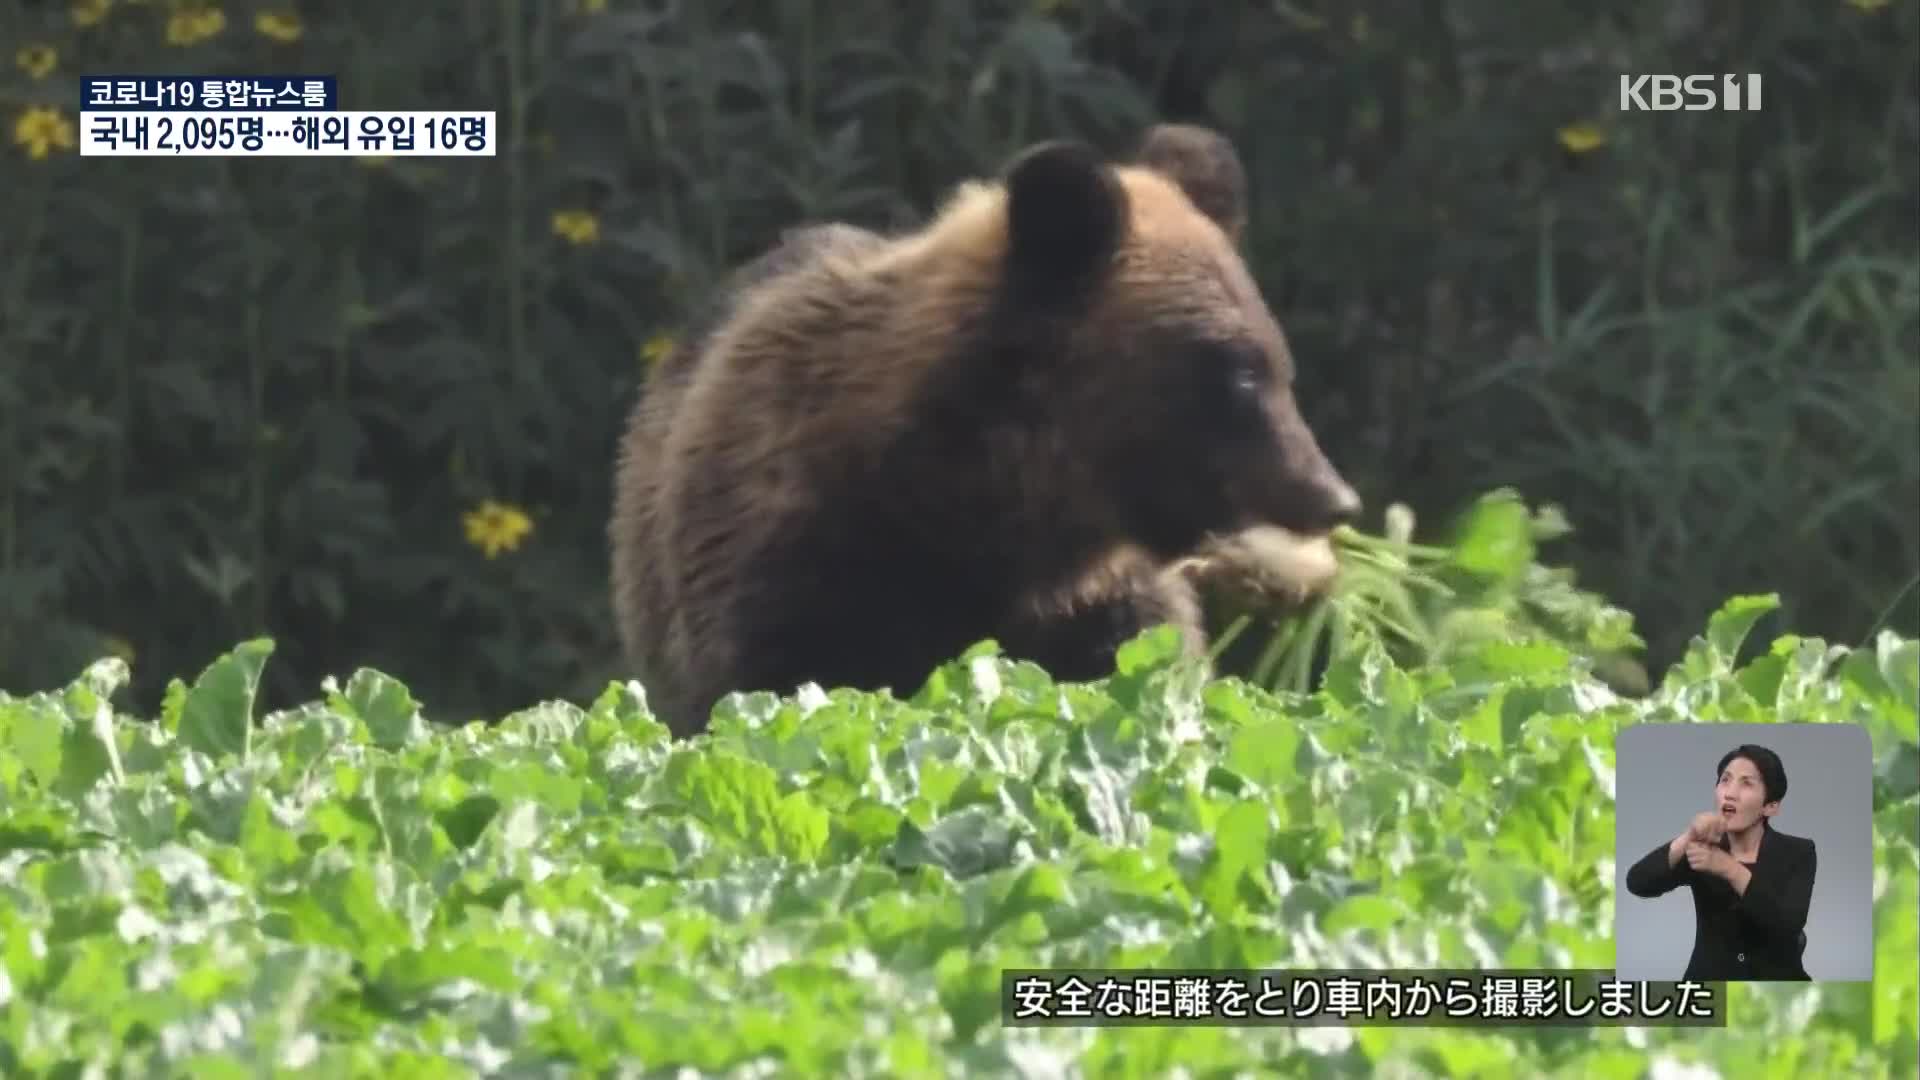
1034,419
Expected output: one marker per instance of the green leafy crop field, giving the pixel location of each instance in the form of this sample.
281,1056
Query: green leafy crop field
829,885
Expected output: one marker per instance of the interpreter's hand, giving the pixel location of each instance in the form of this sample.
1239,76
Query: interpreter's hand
1707,828
1707,859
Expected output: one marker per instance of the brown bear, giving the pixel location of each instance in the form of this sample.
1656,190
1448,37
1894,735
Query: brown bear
1035,419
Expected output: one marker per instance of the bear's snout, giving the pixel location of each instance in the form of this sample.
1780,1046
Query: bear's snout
1331,502
1312,497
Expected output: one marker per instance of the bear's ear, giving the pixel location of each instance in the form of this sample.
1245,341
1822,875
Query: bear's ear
1206,166
1066,212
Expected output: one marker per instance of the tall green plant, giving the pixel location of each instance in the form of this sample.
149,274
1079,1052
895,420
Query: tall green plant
1425,603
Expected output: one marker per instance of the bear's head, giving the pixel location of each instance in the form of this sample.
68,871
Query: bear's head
1123,293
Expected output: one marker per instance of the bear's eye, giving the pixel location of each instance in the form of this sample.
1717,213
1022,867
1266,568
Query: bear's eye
1246,370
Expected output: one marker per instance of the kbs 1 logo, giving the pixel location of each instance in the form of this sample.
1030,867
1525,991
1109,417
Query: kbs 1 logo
1694,93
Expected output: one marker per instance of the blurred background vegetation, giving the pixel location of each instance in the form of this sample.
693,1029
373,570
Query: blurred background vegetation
368,406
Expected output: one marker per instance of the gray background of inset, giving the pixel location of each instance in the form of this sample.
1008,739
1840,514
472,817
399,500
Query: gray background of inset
1664,775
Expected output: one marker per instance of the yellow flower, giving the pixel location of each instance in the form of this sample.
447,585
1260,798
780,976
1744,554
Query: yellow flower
1582,137
1868,5
278,25
576,226
36,60
495,527
90,12
120,647
190,27
41,129
656,348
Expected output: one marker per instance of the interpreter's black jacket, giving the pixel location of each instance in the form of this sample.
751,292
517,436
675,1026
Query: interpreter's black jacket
1756,937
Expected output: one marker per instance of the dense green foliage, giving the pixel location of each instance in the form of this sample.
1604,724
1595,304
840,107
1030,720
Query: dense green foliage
830,884
256,397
